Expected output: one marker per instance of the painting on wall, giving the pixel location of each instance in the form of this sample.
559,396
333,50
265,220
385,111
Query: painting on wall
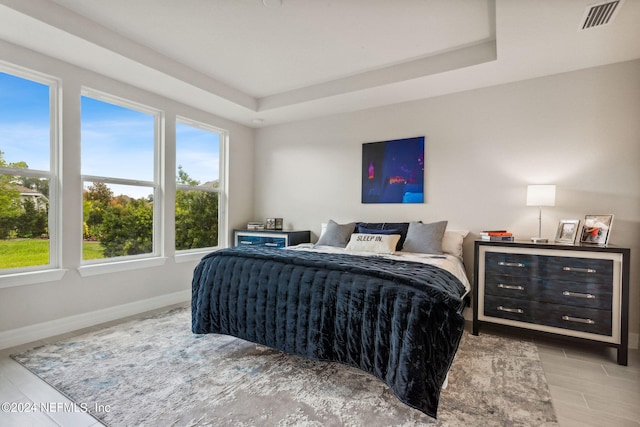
393,171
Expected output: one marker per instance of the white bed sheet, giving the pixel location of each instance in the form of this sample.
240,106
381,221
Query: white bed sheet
447,262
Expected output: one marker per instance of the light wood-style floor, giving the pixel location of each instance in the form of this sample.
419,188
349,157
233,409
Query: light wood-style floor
588,388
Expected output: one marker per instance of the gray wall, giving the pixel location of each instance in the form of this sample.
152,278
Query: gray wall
579,130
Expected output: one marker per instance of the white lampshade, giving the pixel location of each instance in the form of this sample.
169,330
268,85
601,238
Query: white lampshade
541,195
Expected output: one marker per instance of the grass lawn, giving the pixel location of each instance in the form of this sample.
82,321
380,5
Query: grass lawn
16,253
92,250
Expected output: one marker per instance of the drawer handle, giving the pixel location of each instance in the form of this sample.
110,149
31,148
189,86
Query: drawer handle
513,287
271,244
244,242
579,270
510,310
578,320
511,264
578,294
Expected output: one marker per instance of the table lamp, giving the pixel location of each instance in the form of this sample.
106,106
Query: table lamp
541,195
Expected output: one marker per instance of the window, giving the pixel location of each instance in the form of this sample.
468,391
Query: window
28,165
120,174
199,188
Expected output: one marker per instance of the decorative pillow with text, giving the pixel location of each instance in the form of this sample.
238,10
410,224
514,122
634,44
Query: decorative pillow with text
376,243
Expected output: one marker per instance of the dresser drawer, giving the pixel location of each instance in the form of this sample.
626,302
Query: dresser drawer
276,242
579,294
579,269
512,286
521,265
508,308
573,318
555,315
549,267
589,295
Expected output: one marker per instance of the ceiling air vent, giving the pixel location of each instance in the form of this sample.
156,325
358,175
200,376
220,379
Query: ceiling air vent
599,14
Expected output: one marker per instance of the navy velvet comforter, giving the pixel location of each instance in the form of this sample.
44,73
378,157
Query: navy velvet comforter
400,321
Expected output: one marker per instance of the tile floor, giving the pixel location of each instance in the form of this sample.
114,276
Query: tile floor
588,388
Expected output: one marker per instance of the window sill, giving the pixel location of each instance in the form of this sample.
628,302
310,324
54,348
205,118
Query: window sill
31,277
192,256
117,266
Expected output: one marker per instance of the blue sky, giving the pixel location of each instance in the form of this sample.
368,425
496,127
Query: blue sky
24,121
116,141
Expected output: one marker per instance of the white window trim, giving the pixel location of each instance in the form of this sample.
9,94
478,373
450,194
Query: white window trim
114,265
51,271
31,277
191,255
156,257
188,255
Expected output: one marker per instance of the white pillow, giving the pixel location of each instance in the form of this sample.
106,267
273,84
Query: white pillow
452,242
377,243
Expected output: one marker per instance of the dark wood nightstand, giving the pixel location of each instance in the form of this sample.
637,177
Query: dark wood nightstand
576,291
274,238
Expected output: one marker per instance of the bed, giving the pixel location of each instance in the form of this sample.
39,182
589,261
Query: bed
361,296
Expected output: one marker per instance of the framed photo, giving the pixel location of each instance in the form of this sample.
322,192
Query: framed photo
567,230
270,224
596,229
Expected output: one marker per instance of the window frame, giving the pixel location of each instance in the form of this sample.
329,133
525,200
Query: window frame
106,265
223,135
53,270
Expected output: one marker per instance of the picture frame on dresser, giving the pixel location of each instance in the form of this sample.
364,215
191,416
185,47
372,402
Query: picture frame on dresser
596,229
567,230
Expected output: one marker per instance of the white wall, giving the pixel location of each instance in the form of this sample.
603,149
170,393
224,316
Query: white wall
33,311
579,130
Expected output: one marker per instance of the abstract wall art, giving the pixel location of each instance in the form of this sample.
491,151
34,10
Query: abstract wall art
393,171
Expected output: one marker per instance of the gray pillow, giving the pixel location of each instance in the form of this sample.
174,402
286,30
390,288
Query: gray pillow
425,238
337,234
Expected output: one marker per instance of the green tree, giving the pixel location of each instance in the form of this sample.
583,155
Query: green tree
96,201
196,219
10,206
184,178
127,227
31,222
196,215
99,192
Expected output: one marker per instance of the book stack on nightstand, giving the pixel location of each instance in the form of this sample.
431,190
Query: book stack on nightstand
496,236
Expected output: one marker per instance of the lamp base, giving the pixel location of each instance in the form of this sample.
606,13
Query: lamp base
539,240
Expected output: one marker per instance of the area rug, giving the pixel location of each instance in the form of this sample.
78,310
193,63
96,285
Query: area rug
153,371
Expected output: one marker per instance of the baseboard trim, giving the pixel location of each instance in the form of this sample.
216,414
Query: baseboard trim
27,334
